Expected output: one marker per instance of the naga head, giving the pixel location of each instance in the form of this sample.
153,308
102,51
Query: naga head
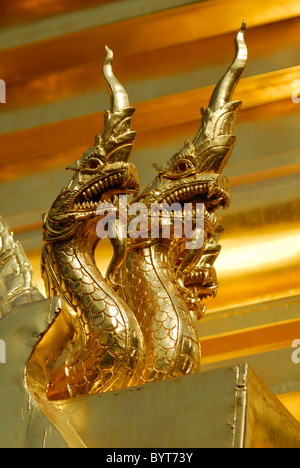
204,159
194,175
103,172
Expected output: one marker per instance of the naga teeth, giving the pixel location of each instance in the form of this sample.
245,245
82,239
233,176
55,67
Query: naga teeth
86,206
210,191
93,191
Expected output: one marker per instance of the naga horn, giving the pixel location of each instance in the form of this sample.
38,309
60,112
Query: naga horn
118,96
225,88
116,138
214,141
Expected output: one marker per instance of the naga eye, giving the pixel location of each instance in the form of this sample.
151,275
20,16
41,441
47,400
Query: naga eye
184,166
94,164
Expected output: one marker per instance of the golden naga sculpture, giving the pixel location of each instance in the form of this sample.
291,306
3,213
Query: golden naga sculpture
138,324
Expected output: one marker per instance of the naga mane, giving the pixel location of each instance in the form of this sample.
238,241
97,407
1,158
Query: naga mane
139,324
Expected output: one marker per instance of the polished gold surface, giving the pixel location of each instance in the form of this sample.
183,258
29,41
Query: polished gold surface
223,408
148,33
255,316
268,423
23,11
64,83
154,119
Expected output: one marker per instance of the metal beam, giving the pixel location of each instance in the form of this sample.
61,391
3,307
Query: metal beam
60,138
140,34
205,59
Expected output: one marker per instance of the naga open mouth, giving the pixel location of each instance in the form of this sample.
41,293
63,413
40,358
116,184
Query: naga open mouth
212,190
203,280
106,189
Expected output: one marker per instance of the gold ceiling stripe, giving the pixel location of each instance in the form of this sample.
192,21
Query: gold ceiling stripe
164,112
183,107
245,342
265,175
29,10
63,83
148,32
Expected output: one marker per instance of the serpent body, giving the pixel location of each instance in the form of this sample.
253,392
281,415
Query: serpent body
172,343
106,351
